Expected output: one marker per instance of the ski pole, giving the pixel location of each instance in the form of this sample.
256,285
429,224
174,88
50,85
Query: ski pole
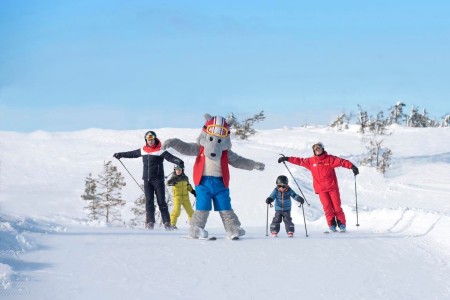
304,220
267,218
295,182
356,199
131,175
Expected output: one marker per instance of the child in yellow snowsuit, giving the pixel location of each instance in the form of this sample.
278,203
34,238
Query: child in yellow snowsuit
180,188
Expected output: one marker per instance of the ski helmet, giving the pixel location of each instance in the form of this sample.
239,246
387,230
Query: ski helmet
217,126
318,144
282,180
177,167
150,135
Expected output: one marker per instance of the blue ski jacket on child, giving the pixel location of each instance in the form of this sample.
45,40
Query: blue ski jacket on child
283,199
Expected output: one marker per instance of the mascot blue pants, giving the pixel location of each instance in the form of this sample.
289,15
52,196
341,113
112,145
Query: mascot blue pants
212,188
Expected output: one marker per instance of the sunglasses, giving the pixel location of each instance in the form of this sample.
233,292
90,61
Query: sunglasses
150,137
281,186
317,147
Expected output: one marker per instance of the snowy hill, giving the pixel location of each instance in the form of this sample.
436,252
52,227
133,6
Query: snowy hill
48,249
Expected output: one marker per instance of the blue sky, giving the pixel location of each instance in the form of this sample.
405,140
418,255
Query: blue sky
71,65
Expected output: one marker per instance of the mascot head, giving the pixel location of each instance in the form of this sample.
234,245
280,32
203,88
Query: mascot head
215,136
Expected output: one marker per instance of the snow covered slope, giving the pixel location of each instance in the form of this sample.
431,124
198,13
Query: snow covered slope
400,251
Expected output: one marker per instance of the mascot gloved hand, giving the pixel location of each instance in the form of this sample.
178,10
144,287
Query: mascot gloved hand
212,175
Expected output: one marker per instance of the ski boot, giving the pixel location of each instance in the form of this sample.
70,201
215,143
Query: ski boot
167,226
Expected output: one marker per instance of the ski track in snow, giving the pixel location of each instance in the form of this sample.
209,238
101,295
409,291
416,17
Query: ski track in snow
88,262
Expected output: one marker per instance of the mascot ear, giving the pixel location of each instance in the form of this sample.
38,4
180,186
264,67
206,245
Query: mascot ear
208,117
231,119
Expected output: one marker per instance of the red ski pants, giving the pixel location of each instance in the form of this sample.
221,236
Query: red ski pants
331,202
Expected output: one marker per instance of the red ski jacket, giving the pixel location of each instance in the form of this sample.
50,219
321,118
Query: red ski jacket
322,170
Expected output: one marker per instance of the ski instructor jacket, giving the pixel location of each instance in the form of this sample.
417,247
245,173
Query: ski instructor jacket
322,170
153,158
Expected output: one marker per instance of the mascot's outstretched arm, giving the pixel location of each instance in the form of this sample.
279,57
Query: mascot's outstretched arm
243,163
190,149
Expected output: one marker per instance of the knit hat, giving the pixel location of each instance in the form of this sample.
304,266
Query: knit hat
318,144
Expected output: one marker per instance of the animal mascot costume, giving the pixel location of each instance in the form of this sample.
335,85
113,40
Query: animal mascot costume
212,176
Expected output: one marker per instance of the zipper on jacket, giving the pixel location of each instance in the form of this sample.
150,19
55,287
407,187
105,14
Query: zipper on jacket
148,167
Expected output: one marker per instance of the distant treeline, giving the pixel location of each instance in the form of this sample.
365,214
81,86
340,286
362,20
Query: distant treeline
394,115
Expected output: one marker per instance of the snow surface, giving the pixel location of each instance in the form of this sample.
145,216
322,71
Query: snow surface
401,250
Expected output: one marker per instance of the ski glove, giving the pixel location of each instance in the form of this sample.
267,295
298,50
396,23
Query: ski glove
117,155
269,200
259,166
283,159
355,170
193,192
301,200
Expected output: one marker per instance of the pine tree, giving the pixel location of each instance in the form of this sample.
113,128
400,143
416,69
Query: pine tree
385,161
417,119
90,195
245,128
111,182
377,125
363,119
396,115
446,121
377,157
341,122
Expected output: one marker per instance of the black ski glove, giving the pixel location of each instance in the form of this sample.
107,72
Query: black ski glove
355,170
283,159
269,200
193,192
301,200
117,155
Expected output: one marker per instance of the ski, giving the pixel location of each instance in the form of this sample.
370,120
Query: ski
328,232
212,238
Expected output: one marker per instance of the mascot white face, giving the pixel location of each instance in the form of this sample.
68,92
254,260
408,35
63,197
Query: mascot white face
215,136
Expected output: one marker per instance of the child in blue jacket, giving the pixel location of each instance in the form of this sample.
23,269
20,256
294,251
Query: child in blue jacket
282,195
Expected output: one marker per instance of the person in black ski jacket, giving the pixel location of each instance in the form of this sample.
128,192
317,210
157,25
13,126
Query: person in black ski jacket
153,175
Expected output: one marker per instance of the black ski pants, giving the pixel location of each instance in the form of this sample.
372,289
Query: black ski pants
152,187
282,215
